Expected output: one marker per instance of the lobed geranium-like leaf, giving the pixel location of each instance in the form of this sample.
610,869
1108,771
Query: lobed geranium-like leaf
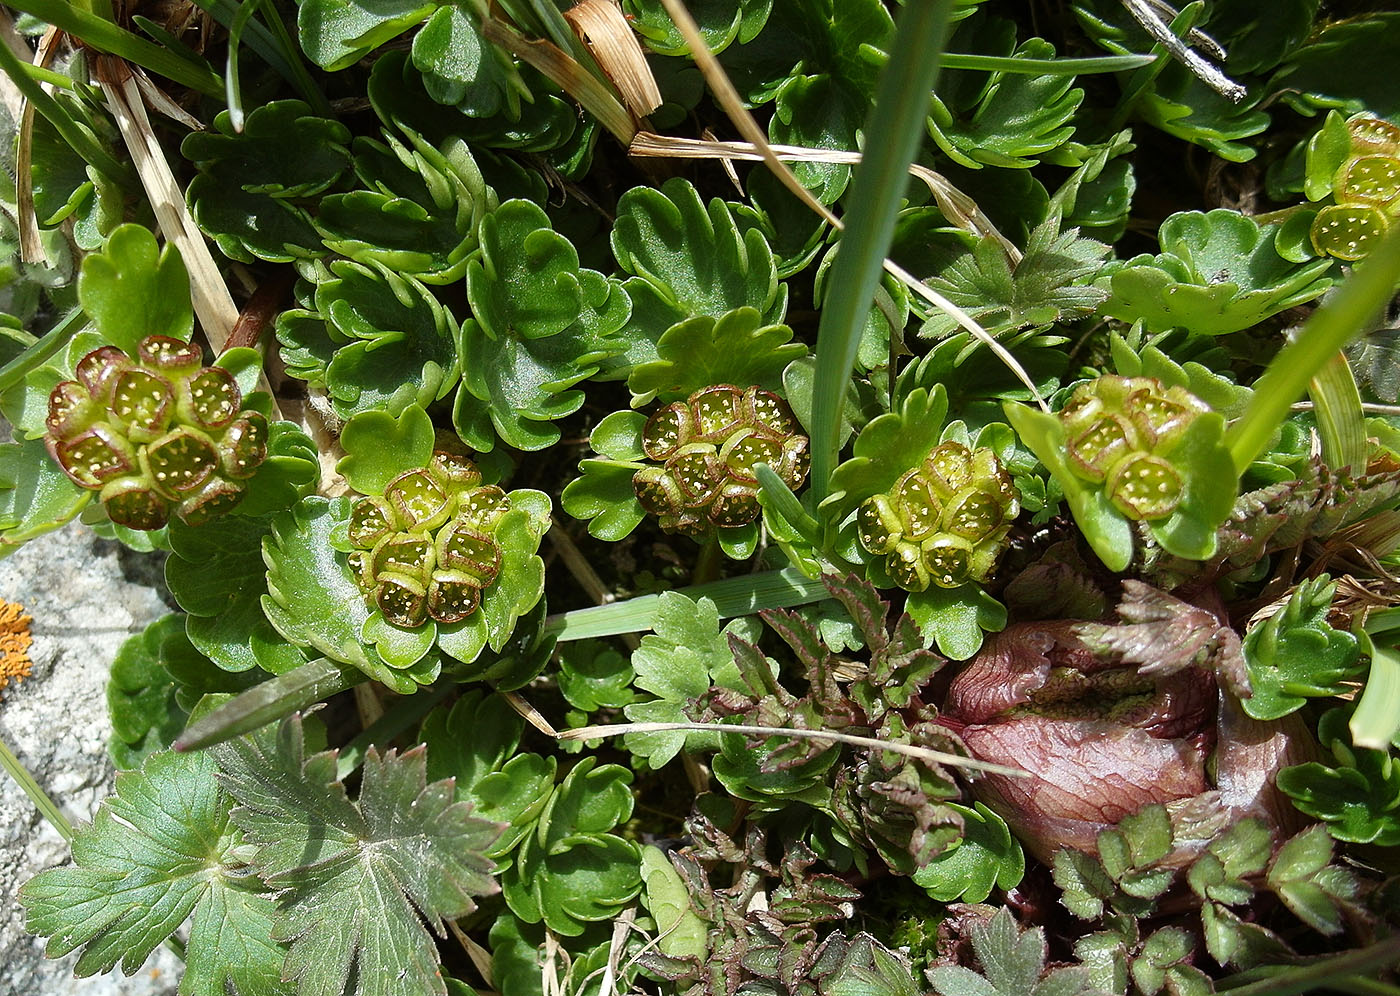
688,260
887,447
254,159
219,578
133,289
1000,118
357,880
987,857
36,497
1359,798
160,850
312,598
141,693
678,661
542,324
1218,272
734,348
1295,655
379,446
336,34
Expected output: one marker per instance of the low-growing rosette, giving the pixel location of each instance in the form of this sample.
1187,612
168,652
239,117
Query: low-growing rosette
944,522
705,451
155,434
426,548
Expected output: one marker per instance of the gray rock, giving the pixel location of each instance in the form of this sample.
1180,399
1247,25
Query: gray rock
86,595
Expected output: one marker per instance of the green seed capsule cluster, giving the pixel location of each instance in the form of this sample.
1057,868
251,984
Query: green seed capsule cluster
156,434
708,447
1366,188
1117,430
426,548
944,522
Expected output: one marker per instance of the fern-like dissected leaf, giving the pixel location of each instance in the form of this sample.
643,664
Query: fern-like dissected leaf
160,850
358,879
1013,964
542,324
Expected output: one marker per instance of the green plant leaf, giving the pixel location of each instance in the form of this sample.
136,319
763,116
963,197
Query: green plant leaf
160,850
35,496
254,159
1295,655
291,471
250,227
336,34
1013,964
379,446
677,662
313,600
543,323
1359,798
987,857
400,342
955,618
472,739
701,351
358,880
683,933
1217,272
141,693
133,289
887,447
1303,876
720,24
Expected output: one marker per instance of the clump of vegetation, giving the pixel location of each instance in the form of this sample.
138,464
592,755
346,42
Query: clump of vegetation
984,508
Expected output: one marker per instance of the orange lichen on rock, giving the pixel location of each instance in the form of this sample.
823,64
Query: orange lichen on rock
14,643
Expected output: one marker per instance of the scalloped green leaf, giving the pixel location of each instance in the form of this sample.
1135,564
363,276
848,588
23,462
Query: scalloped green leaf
219,578
312,599
380,446
402,347
461,68
987,857
721,22
688,259
255,159
543,323
132,289
1295,655
1359,798
604,496
291,471
158,852
1000,118
141,692
887,447
733,349
336,34
474,738
1218,272
250,227
955,619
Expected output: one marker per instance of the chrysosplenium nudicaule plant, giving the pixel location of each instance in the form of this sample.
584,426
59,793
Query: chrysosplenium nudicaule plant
1116,429
708,447
156,434
426,548
944,522
1366,189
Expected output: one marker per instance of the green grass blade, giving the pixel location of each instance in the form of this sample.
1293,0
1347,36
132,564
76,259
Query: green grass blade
901,105
785,503
732,597
1340,421
41,799
107,37
40,353
1377,715
1047,67
1347,314
272,700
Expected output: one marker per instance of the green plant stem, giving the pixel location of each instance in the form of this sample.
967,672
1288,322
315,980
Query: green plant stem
706,562
1047,67
1360,986
1344,316
901,105
104,35
46,806
79,138
1322,972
